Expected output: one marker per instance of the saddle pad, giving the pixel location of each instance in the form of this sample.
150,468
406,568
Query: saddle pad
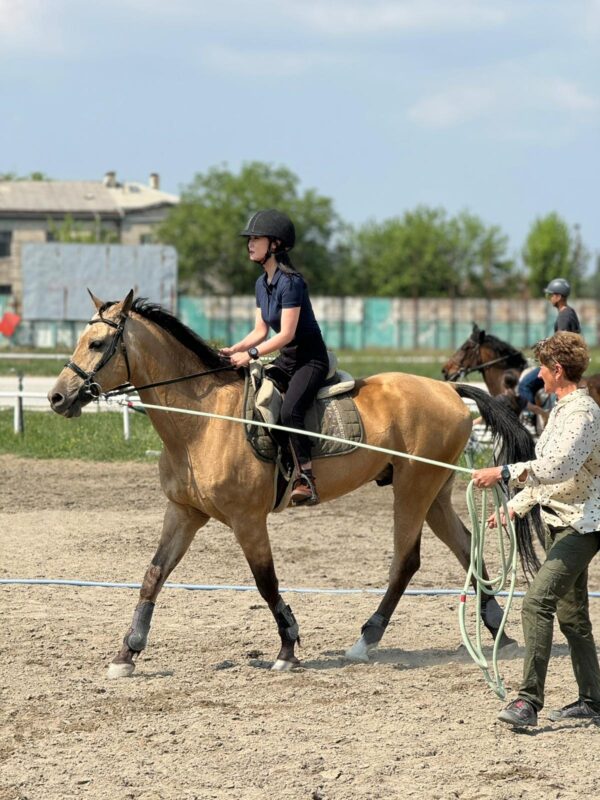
331,416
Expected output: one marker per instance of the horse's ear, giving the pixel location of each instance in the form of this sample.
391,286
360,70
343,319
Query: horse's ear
481,337
96,301
126,307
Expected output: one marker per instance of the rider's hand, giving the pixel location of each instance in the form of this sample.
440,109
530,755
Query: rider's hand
492,520
226,351
240,359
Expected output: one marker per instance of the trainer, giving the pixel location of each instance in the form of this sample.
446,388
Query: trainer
564,479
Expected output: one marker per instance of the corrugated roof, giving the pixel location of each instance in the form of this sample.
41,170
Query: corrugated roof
73,197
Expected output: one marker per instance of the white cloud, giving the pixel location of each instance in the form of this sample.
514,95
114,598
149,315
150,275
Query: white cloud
452,107
513,98
28,25
253,63
366,17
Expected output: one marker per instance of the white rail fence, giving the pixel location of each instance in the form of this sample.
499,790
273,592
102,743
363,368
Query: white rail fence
38,401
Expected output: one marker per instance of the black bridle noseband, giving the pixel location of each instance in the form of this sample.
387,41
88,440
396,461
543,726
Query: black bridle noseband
464,371
91,389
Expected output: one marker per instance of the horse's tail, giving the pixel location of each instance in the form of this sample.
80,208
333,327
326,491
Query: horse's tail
514,443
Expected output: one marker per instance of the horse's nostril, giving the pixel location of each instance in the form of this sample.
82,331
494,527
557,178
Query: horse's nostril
56,399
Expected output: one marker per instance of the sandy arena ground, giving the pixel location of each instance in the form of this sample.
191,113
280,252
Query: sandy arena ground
203,717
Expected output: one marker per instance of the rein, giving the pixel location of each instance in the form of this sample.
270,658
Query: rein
464,371
92,389
127,388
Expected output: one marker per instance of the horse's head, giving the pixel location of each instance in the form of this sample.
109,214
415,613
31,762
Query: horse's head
99,361
466,358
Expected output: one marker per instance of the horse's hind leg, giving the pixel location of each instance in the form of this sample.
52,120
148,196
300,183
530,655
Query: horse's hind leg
412,487
448,527
179,528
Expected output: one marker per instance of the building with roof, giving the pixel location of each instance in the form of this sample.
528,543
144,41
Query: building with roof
33,211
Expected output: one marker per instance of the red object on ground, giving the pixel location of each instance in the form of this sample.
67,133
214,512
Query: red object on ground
8,323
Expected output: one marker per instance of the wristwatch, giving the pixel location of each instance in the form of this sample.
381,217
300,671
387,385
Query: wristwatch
253,353
505,474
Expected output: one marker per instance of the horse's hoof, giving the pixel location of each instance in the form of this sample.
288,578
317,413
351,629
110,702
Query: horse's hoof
283,666
120,670
360,651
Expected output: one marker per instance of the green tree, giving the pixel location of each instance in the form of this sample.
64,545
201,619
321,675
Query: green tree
33,176
68,230
215,207
481,257
426,254
552,251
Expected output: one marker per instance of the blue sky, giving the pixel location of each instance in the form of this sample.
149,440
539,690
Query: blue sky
381,105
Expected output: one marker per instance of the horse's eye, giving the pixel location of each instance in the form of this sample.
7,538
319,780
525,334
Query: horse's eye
95,344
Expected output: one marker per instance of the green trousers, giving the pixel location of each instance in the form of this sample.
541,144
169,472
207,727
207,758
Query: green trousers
560,587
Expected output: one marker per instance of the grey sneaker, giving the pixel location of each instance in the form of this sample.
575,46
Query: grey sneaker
577,710
519,712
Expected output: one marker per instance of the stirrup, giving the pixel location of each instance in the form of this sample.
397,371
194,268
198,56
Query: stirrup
305,489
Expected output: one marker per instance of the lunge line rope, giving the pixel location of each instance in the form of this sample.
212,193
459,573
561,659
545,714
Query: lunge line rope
492,586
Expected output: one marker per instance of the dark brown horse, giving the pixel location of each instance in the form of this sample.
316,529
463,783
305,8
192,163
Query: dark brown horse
207,467
492,357
486,354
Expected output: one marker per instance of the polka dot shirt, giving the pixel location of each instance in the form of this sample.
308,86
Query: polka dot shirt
565,475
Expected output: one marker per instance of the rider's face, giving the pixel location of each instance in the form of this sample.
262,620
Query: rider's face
555,298
258,247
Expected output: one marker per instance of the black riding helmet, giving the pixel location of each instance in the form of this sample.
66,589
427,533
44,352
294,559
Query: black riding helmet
273,224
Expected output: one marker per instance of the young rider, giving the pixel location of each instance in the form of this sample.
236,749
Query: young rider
283,304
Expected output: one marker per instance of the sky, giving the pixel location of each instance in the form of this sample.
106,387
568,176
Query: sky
381,105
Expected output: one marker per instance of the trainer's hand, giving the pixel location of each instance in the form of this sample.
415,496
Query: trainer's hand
492,521
487,477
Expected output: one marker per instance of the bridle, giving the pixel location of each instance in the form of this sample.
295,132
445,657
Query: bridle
464,371
91,389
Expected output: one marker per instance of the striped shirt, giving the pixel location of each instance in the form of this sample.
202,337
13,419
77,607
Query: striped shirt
565,475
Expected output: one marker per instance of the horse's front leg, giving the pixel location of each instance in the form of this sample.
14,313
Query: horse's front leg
179,527
253,537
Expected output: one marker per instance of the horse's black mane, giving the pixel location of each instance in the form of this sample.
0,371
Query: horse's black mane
184,335
514,357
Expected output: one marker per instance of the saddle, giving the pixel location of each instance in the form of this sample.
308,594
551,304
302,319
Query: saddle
333,413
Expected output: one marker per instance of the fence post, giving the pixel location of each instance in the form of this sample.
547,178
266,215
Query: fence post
19,422
126,429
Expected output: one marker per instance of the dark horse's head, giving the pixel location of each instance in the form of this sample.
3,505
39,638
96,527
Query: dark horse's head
480,351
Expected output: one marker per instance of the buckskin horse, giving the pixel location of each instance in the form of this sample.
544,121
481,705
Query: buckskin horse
485,353
208,470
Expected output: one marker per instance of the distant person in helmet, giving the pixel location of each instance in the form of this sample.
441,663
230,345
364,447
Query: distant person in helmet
283,304
557,292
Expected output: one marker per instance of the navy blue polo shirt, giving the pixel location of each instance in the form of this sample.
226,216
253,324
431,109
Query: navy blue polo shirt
286,290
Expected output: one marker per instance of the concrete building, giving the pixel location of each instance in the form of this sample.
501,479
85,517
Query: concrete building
33,211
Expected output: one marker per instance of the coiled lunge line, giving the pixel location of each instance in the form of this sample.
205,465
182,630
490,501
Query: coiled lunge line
491,586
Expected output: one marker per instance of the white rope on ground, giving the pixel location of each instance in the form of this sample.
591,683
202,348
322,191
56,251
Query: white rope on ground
200,587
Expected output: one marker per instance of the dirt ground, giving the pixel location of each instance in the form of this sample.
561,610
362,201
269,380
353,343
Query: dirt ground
203,716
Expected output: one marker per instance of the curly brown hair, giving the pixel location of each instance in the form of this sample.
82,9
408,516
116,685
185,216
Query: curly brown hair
567,349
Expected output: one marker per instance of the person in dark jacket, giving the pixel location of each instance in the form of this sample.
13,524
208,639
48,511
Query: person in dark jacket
557,292
283,305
